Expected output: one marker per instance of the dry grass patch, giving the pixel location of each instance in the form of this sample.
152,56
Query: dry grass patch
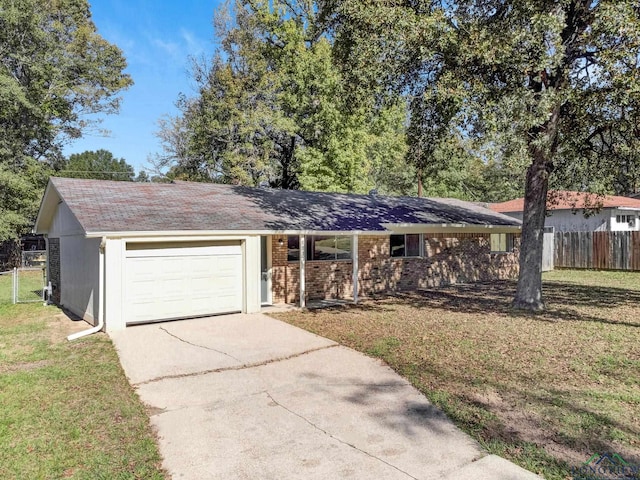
544,390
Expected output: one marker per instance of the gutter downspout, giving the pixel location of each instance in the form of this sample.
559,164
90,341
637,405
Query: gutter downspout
100,325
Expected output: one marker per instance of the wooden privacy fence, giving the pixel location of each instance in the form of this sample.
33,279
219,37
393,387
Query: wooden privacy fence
597,250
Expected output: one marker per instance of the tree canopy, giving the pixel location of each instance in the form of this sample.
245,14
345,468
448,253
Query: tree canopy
100,164
55,70
272,106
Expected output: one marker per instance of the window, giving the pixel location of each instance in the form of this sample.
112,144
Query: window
628,219
320,247
408,245
501,242
293,248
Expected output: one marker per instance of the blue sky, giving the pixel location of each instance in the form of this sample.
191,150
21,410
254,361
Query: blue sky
157,38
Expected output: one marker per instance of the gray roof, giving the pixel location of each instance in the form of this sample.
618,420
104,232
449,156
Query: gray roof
110,206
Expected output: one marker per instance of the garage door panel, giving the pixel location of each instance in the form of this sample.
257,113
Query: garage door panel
171,267
170,283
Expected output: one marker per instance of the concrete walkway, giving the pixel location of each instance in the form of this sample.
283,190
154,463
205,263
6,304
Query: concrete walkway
250,397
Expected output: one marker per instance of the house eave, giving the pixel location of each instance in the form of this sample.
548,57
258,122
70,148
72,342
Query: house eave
450,228
203,234
633,209
47,207
390,229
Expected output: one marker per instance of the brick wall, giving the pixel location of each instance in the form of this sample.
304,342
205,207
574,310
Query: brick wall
53,257
449,259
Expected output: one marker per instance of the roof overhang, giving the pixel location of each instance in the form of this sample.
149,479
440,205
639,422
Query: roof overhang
390,229
47,210
194,234
450,228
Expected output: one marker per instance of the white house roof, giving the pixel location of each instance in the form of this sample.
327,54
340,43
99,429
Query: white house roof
110,206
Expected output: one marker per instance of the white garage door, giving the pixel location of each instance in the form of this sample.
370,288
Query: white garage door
179,281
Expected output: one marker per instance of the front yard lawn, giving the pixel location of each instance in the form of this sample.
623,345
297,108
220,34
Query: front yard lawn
543,390
67,410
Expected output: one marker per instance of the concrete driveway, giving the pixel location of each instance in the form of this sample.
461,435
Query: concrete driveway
250,397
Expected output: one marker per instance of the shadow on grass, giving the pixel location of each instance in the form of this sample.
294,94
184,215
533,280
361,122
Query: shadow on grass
564,301
506,422
578,445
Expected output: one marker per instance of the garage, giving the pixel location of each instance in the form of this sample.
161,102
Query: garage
183,280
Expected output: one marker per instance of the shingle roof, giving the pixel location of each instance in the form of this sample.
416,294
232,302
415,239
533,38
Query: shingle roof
109,206
568,200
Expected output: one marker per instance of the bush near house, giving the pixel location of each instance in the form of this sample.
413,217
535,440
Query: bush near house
546,391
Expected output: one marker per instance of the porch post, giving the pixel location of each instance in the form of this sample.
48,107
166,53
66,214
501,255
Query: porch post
354,254
303,259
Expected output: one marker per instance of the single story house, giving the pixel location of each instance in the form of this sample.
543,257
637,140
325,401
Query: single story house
121,253
569,211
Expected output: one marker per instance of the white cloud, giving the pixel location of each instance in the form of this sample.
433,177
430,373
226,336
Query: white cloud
169,48
194,45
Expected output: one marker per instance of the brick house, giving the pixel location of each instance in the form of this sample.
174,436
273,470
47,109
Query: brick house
122,253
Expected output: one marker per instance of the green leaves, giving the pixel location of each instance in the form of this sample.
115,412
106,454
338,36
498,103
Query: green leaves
273,107
19,199
54,70
99,164
504,67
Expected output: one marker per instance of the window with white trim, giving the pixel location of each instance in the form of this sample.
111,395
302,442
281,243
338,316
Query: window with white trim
628,219
407,245
320,247
501,242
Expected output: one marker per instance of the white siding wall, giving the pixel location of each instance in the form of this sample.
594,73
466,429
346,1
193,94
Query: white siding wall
252,292
64,223
78,265
567,221
114,254
516,215
79,259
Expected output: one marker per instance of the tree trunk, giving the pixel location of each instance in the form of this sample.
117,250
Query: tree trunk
529,290
289,177
419,181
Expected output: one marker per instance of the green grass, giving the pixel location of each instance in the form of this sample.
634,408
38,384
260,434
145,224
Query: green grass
67,408
543,390
29,286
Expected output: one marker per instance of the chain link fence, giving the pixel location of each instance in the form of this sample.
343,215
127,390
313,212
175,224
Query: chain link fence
22,285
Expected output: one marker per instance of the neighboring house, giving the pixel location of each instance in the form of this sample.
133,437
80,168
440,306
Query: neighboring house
142,252
566,212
